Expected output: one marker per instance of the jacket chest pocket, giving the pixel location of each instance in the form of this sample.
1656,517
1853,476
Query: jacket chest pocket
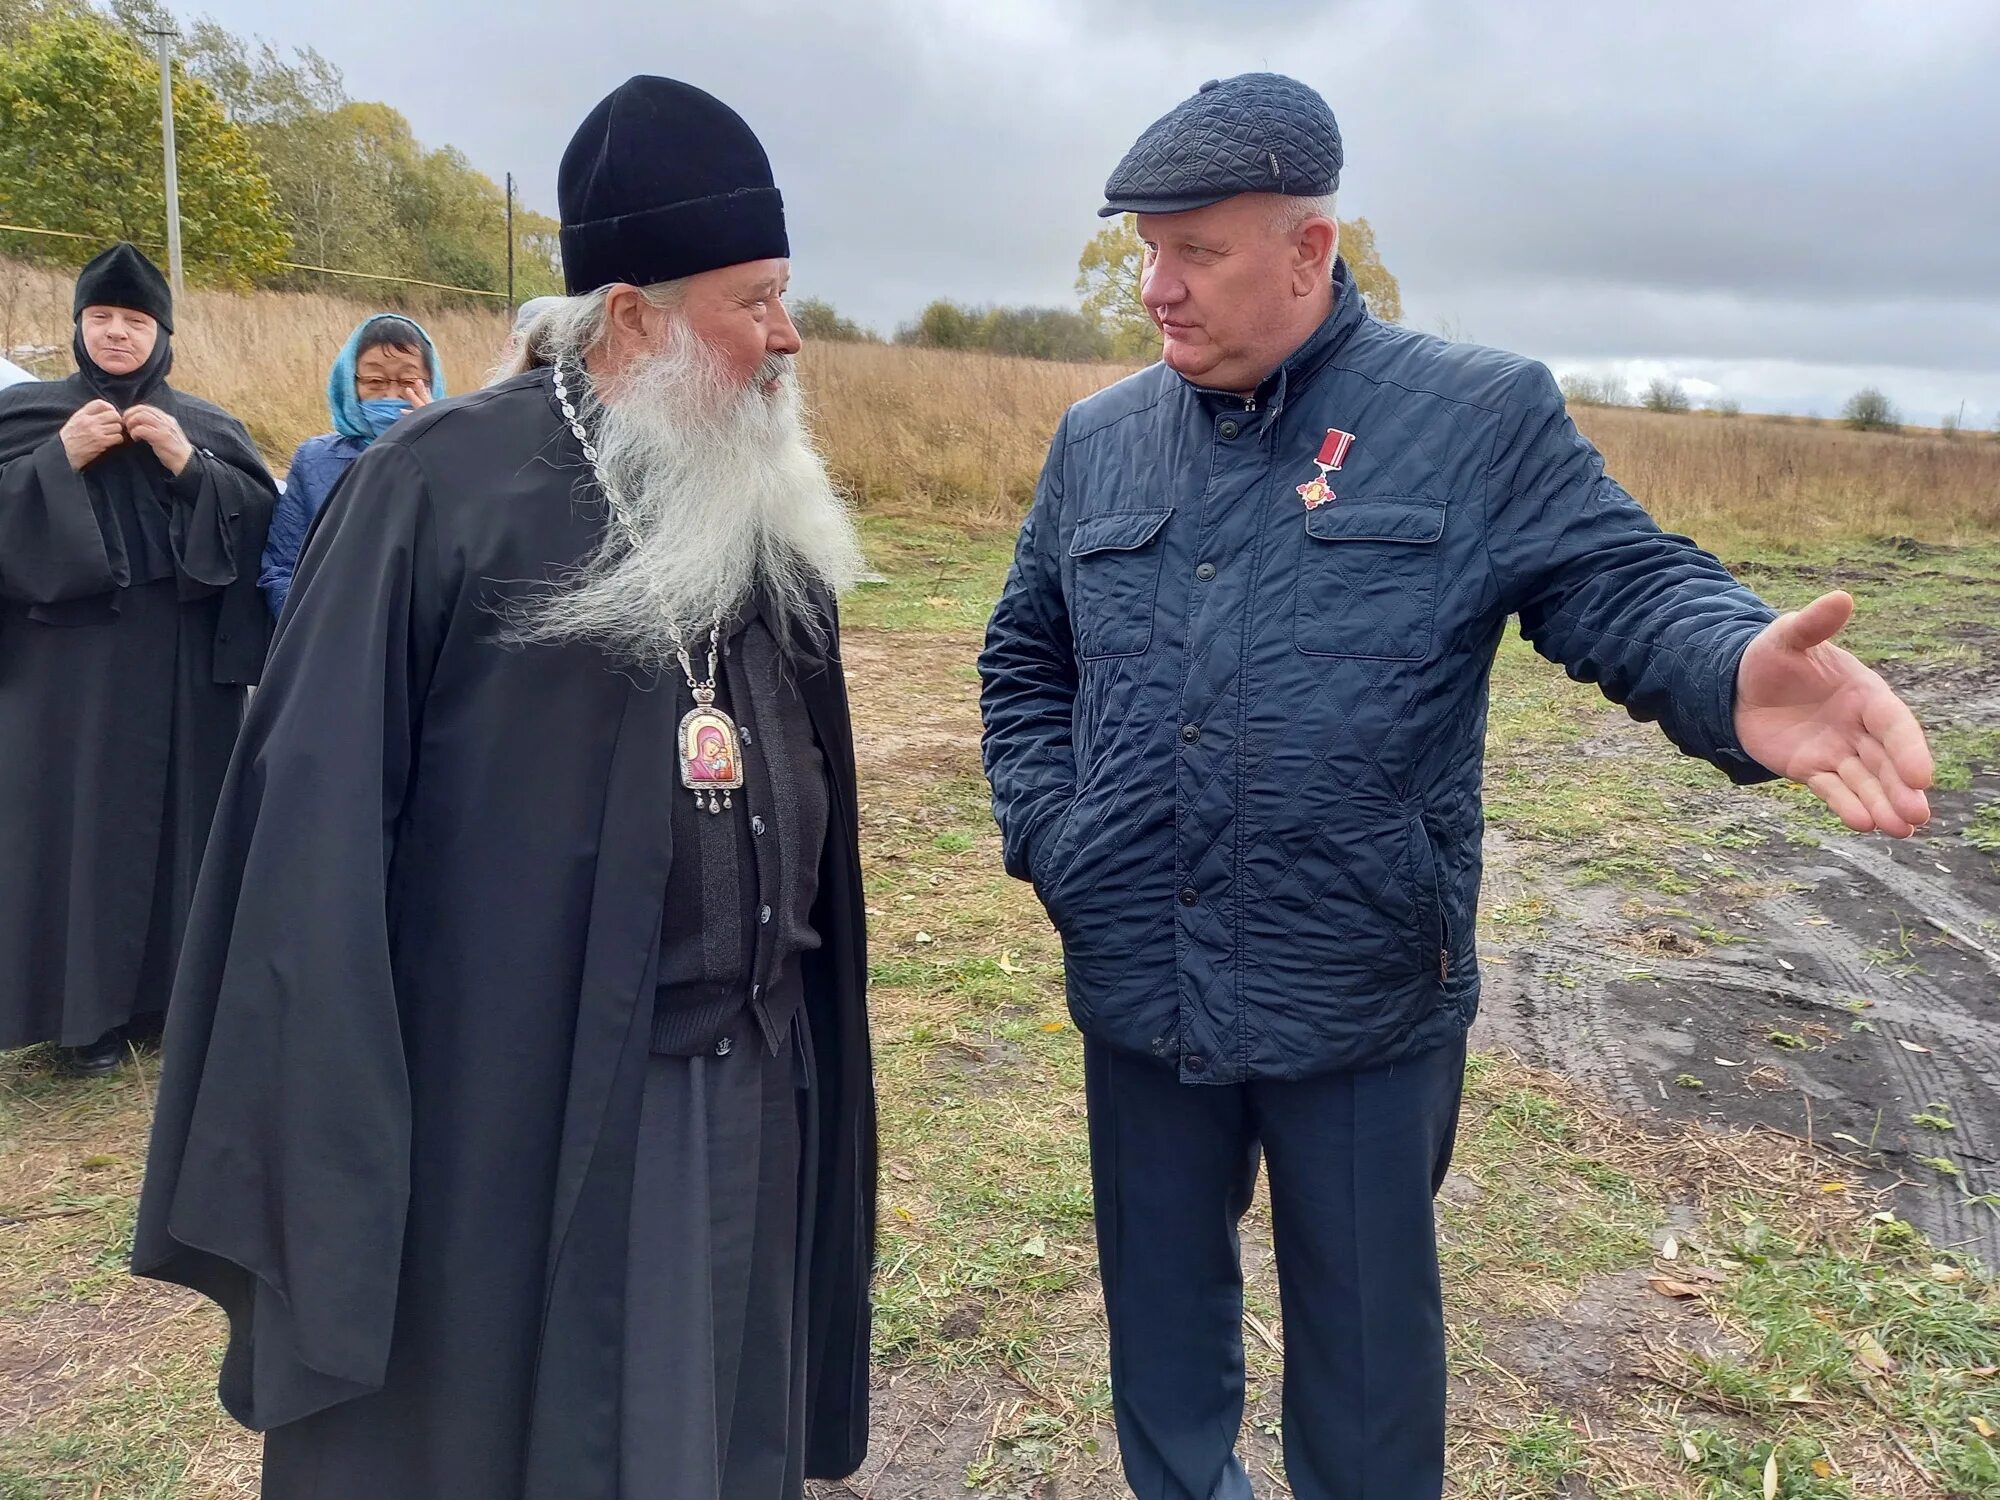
1368,574
1115,581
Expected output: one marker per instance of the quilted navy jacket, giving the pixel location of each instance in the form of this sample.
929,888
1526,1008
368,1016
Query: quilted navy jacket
1236,742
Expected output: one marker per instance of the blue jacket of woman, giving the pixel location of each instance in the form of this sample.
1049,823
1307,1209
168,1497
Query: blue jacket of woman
316,469
320,462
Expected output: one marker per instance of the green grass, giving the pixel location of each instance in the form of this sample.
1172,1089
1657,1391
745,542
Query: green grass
1881,1320
940,578
1627,811
1936,609
136,1443
1550,1214
1634,814
1962,749
1733,1467
1637,814
1982,830
1537,1454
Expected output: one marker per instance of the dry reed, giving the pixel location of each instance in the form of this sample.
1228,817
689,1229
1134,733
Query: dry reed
263,357
941,435
1796,483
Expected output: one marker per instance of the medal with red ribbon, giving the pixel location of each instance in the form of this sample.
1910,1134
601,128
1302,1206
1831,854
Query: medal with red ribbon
1332,453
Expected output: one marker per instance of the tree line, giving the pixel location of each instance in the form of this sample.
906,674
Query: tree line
1867,410
1112,322
1052,333
280,171
278,167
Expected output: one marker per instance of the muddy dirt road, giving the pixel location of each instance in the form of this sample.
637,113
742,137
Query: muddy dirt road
1847,990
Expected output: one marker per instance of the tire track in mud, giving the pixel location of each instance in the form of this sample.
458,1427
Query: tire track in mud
1958,1064
1560,1008
1939,905
1838,926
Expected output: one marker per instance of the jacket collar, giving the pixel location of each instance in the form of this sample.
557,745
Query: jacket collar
1306,361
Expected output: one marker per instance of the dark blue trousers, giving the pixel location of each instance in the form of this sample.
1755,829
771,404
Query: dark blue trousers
1355,1160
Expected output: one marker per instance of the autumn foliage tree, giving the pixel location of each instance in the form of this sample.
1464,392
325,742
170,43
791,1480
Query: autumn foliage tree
80,151
818,321
1107,281
1378,284
1050,333
271,149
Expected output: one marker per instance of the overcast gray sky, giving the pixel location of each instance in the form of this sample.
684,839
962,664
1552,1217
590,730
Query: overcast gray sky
1780,199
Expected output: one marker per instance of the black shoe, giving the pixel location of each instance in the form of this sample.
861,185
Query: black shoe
145,1030
105,1055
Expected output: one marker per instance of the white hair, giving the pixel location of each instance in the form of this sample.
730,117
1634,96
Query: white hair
720,489
1290,211
572,323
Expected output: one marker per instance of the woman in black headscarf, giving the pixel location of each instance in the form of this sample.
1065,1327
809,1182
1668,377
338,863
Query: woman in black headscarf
132,517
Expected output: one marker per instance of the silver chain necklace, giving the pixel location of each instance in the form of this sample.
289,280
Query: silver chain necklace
711,746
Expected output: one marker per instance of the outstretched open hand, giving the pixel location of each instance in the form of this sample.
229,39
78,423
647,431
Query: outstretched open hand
1813,712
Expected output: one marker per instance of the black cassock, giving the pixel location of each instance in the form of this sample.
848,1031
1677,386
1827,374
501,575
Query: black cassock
127,634
403,1070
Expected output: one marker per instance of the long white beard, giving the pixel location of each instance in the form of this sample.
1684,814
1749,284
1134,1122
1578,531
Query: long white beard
722,493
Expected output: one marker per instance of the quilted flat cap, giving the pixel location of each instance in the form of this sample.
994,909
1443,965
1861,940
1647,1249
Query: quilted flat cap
1254,133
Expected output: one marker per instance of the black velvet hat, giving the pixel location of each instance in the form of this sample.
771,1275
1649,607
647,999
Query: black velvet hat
663,181
122,277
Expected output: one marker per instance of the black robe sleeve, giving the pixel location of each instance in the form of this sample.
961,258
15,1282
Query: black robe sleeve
52,543
278,1179
215,504
222,505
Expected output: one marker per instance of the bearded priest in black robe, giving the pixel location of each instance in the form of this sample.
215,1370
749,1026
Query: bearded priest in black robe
132,519
516,1101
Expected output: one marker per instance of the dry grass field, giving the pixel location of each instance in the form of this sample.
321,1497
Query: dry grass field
910,431
960,437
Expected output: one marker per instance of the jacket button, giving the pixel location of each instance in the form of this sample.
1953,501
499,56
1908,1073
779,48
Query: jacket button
1197,1065
1189,896
757,826
1229,429
722,1047
1205,572
1191,733
763,916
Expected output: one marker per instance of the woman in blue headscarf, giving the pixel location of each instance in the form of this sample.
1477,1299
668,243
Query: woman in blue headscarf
388,366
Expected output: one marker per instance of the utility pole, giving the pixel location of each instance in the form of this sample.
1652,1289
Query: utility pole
165,39
510,244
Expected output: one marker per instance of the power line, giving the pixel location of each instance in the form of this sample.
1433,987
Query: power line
288,265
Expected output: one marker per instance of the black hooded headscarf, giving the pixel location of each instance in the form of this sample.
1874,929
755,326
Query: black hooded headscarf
123,277
129,482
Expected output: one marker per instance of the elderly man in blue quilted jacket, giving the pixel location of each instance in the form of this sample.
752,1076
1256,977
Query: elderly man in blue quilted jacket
1235,701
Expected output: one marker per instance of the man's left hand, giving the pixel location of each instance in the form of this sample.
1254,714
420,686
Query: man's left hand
160,432
1811,711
